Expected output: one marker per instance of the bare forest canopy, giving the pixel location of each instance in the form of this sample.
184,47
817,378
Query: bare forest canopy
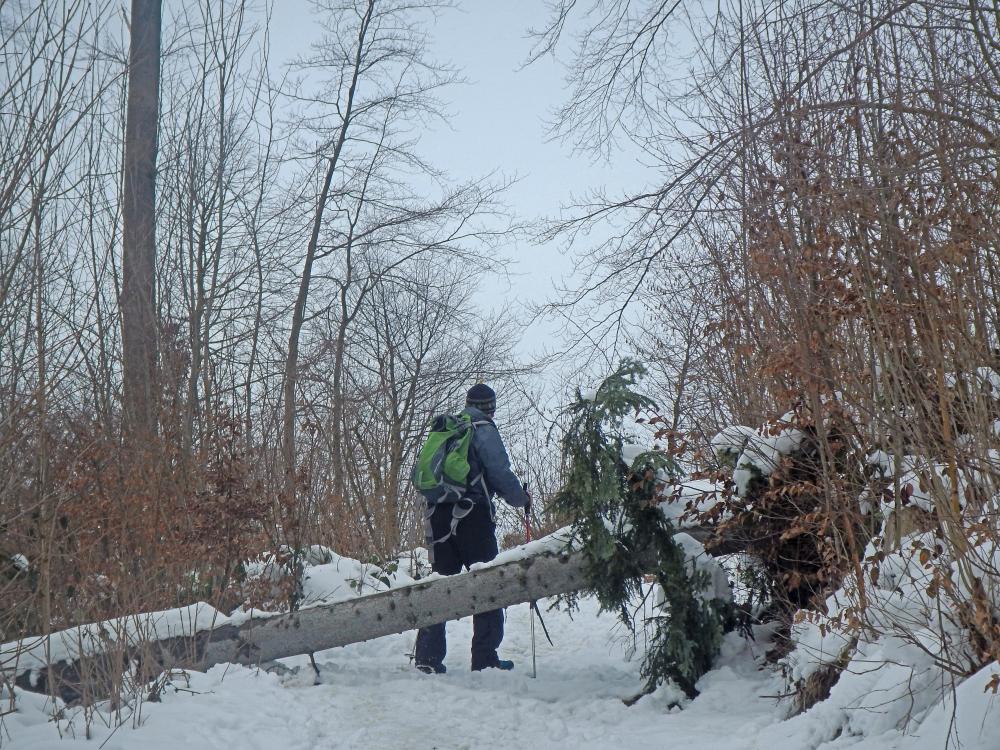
247,360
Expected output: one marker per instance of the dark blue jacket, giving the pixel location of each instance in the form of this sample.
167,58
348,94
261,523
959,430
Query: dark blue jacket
488,457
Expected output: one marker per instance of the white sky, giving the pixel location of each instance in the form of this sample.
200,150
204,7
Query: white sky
498,123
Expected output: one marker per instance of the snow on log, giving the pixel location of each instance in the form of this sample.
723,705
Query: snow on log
74,664
397,610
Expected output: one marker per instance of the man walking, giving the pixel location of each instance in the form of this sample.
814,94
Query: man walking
464,532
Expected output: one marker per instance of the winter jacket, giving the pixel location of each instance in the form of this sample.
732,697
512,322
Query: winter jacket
488,458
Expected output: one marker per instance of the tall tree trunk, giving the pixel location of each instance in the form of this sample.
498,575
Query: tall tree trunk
138,299
339,483
301,299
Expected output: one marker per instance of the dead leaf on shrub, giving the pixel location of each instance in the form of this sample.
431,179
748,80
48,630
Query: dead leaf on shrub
993,684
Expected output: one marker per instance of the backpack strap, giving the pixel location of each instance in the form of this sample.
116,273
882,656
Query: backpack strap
459,510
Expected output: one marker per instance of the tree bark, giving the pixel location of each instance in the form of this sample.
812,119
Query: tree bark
138,297
395,611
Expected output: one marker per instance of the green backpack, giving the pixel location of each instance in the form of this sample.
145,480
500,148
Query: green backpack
442,471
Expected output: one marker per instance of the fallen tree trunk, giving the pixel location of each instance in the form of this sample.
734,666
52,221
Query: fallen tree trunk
396,610
264,639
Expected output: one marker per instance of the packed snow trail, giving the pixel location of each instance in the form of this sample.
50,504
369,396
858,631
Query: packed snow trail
371,698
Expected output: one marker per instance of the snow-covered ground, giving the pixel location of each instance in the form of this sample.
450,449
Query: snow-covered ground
370,697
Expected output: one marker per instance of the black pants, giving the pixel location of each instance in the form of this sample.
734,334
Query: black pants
475,541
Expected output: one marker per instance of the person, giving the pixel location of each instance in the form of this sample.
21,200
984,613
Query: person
473,539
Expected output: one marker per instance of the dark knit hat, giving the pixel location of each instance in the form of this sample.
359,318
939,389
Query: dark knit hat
482,397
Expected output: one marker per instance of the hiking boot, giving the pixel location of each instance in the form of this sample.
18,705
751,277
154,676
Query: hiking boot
502,664
432,668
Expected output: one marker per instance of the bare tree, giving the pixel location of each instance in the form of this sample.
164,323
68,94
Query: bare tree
375,79
823,177
418,344
326,223
140,332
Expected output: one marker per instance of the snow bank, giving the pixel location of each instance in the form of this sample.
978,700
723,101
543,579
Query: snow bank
968,716
35,652
893,681
631,451
344,578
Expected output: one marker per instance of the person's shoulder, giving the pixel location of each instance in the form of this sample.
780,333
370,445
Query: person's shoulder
479,419
486,434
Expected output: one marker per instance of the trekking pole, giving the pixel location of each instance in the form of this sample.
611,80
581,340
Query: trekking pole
531,605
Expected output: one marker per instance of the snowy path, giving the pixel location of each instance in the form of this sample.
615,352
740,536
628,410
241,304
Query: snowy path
371,698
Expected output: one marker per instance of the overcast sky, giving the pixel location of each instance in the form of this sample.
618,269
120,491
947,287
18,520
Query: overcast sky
499,123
